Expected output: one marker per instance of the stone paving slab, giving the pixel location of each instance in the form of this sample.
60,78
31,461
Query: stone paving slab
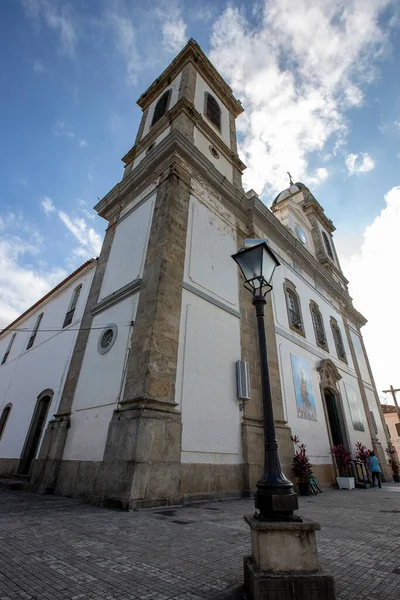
56,548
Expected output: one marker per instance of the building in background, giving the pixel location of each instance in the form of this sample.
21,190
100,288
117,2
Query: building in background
149,412
392,419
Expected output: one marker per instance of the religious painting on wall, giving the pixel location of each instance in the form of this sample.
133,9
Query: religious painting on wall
305,400
356,411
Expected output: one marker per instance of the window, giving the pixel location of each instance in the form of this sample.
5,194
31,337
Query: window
161,107
4,417
213,110
8,348
293,307
34,332
70,313
107,338
327,245
319,329
337,338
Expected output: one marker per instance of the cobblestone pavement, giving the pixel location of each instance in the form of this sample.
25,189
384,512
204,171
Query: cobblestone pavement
58,548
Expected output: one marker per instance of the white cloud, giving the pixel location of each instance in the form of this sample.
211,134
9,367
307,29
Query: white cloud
83,143
359,163
172,24
48,205
38,67
375,288
125,39
61,129
297,67
23,278
57,16
89,240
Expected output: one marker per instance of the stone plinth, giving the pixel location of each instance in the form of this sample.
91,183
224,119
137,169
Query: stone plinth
284,564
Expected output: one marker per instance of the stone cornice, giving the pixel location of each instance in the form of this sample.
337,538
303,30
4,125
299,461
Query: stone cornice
184,106
312,206
192,53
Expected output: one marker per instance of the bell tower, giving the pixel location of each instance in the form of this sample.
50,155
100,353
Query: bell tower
191,99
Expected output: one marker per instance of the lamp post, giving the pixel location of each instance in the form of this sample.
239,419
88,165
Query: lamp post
275,497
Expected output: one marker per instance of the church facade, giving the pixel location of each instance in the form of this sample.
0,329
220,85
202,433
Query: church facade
149,411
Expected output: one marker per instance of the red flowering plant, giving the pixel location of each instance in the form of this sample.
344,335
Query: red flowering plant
301,465
343,460
362,452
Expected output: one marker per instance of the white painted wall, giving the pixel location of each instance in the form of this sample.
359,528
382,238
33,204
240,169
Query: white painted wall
158,139
211,240
201,88
221,163
128,250
374,408
99,384
209,347
26,374
306,293
174,86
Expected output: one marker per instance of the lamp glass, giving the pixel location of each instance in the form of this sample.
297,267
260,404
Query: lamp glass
269,264
257,264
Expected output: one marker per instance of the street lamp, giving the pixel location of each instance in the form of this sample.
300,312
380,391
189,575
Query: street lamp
275,497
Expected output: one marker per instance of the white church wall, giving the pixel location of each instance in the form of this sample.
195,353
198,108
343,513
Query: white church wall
174,86
355,338
27,373
209,347
143,154
128,251
306,293
99,384
211,240
199,102
375,410
312,433
221,163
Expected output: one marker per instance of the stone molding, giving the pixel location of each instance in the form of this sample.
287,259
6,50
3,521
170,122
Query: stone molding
329,375
117,296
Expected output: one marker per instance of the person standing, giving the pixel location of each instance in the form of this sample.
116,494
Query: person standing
374,467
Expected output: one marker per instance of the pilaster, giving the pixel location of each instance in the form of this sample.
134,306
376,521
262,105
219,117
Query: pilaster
144,437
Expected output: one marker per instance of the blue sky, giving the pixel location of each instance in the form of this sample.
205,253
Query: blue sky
320,85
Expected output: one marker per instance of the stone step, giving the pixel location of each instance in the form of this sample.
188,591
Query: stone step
12,484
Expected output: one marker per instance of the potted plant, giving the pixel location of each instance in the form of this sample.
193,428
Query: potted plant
302,467
342,457
393,463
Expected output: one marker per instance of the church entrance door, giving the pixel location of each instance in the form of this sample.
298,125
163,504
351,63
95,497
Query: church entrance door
334,418
34,435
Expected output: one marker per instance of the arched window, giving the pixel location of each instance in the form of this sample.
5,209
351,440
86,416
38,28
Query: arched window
71,309
34,332
161,107
337,338
212,110
293,307
4,417
7,352
327,245
319,329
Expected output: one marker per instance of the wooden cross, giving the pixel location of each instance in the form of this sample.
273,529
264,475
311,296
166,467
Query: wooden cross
393,392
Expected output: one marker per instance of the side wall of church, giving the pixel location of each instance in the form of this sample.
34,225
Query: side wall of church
27,373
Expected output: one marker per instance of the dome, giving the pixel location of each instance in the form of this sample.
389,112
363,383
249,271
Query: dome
293,189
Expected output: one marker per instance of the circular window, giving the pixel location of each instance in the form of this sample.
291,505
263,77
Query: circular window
107,338
150,148
214,151
301,235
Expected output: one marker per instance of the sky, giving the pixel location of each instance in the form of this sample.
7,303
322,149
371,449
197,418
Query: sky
320,84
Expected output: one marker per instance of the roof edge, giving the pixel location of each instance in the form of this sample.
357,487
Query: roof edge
89,262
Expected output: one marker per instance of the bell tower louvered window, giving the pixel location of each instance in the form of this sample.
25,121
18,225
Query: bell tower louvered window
319,329
328,246
337,338
161,107
213,110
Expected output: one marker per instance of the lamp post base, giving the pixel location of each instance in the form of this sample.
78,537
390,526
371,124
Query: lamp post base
276,504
